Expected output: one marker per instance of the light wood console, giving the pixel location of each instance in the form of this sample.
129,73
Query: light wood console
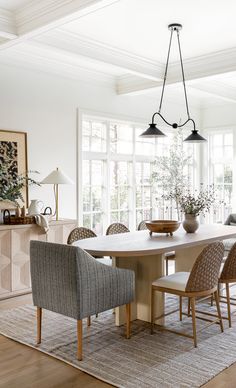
14,253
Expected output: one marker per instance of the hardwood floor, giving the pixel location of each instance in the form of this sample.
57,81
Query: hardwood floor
21,366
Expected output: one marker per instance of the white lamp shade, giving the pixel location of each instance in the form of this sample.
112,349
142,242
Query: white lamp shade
57,177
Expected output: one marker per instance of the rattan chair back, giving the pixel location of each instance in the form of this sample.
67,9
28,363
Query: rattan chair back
205,272
117,228
229,269
80,233
142,225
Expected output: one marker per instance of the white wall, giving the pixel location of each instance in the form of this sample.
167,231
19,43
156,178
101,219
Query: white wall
45,106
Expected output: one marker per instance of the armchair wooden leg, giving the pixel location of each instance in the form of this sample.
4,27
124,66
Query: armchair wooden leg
39,324
79,339
218,309
128,317
192,301
228,304
152,311
89,321
180,308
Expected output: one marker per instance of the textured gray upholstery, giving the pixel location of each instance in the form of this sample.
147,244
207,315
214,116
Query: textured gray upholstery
231,218
228,244
69,281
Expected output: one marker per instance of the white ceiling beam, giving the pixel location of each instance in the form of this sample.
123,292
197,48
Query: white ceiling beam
7,24
216,89
195,68
38,17
73,43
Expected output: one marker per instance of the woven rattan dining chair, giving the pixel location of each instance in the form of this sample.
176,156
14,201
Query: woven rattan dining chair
168,256
80,233
117,228
200,282
142,225
227,277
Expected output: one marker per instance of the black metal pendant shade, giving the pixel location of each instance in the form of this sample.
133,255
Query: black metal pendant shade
153,131
195,137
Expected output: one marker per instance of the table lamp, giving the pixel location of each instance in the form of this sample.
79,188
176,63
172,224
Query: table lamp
57,177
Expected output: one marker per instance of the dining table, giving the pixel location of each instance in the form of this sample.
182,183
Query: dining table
144,254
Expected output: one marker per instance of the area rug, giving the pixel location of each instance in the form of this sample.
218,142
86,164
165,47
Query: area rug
160,360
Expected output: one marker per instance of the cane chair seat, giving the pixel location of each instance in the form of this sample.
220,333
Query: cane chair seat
201,281
117,228
176,281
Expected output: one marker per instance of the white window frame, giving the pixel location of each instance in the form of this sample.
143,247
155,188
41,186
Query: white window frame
206,166
108,156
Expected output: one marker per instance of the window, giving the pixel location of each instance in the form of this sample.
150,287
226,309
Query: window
117,174
220,151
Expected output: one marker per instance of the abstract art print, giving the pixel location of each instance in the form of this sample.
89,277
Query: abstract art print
13,157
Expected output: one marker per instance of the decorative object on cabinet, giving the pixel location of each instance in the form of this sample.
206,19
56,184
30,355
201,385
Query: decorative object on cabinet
14,179
57,177
9,219
36,206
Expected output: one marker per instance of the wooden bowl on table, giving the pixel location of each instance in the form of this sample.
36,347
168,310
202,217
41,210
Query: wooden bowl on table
162,226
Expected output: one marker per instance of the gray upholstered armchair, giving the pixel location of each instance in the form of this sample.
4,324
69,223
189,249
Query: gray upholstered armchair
68,281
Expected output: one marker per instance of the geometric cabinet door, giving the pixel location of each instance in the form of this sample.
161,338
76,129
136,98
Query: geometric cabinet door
5,262
15,256
21,257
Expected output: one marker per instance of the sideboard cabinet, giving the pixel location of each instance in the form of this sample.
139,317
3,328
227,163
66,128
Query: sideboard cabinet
14,253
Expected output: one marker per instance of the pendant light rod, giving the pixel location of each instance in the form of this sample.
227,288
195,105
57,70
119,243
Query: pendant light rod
182,69
165,75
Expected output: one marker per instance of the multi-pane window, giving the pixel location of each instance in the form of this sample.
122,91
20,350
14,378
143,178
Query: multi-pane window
117,168
221,172
143,191
93,172
119,192
116,174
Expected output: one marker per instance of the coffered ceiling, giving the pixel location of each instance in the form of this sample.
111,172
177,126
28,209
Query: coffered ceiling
123,43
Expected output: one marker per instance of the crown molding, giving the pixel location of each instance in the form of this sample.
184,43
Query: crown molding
216,89
44,13
220,62
80,45
7,24
43,60
38,17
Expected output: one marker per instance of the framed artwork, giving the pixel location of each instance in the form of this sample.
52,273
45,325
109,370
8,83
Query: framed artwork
13,148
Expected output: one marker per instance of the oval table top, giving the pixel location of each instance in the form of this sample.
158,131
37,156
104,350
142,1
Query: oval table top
140,243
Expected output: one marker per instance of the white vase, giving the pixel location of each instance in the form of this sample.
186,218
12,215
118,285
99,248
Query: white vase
190,223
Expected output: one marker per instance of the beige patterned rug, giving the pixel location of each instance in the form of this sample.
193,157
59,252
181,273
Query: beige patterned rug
159,360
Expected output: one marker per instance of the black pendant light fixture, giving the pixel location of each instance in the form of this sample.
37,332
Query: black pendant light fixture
153,131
